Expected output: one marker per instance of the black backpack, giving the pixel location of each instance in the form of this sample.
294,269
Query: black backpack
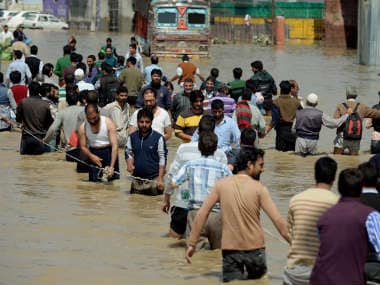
353,126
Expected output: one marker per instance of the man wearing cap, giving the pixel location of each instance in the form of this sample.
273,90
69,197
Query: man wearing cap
79,78
308,124
353,146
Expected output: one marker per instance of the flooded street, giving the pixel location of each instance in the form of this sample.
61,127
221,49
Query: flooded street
57,228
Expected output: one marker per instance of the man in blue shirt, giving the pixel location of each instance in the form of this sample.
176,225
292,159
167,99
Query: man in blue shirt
226,128
148,69
145,155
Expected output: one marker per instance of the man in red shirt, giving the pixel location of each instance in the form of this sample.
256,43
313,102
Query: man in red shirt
20,91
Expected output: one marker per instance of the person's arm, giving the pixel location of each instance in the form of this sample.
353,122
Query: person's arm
133,123
19,114
271,210
332,123
290,224
179,73
112,134
275,119
260,119
199,221
11,99
368,123
294,126
337,113
200,76
179,129
370,113
162,163
58,69
129,156
180,177
235,140
167,128
373,229
57,124
84,148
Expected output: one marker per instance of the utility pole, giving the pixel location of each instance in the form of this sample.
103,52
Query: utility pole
273,18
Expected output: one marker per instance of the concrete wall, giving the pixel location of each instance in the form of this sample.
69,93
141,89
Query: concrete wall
124,18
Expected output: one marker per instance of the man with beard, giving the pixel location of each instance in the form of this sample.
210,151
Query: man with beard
181,102
161,121
163,95
118,112
98,142
145,155
226,128
241,198
188,121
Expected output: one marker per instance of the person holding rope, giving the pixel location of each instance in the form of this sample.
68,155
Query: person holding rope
98,142
146,155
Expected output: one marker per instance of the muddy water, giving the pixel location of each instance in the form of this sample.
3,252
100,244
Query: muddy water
56,228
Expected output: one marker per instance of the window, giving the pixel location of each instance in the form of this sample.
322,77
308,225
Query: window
43,19
167,16
30,17
53,19
196,16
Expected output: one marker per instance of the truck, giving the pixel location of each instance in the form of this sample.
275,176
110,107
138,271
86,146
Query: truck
172,28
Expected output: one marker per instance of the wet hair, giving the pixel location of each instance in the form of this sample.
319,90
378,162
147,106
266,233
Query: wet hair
15,77
214,72
207,123
208,143
18,54
66,49
92,97
107,68
150,89
74,57
246,155
195,94
92,57
237,72
132,60
69,78
45,89
92,106
82,96
34,88
188,80
47,68
132,45
248,137
120,59
169,84
217,104
285,87
34,50
109,40
122,89
247,94
156,71
369,173
257,64
293,83
325,170
210,78
72,97
250,84
350,182
82,66
185,57
101,55
145,113
154,59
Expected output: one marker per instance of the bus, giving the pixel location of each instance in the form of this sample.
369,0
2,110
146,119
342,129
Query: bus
172,27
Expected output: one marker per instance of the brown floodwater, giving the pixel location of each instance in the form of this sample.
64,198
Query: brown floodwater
57,228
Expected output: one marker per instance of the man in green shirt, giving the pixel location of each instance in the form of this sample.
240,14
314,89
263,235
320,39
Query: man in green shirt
63,62
237,85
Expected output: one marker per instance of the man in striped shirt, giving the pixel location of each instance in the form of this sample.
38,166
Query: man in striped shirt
201,175
305,209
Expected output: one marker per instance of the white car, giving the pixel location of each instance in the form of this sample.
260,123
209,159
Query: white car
44,21
19,18
6,15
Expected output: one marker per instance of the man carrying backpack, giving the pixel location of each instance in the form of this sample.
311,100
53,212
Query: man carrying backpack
247,115
109,84
349,134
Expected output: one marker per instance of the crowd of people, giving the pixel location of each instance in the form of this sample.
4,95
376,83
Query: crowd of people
92,109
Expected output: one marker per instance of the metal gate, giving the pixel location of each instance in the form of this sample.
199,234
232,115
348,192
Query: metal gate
113,7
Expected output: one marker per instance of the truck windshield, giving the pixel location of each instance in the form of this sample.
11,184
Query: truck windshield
196,16
167,16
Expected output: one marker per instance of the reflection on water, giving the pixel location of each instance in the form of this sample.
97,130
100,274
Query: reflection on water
59,229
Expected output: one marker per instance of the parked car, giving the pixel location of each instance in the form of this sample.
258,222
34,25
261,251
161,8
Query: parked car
6,15
19,18
44,21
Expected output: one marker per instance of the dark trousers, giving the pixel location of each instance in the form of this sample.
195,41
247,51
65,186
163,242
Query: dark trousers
236,262
372,271
30,145
105,154
285,139
375,147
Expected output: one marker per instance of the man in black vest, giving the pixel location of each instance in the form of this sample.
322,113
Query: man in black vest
35,64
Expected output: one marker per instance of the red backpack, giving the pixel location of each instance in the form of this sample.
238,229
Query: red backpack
243,115
354,126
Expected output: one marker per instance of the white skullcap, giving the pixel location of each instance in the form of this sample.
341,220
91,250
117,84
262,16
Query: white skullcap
79,74
312,98
259,98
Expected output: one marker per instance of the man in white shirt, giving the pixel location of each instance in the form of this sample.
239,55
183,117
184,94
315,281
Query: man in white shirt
5,35
79,78
161,122
19,65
